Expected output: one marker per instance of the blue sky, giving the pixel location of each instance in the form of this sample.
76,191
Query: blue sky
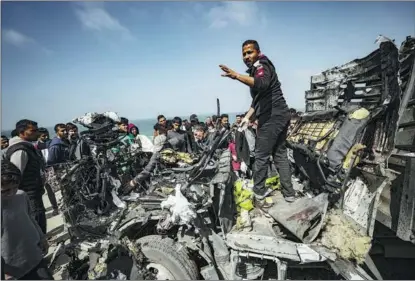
63,59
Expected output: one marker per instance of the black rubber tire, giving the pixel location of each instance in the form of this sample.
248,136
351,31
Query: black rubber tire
166,252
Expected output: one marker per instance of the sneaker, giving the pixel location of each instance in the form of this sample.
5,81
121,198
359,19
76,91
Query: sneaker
290,199
262,197
262,203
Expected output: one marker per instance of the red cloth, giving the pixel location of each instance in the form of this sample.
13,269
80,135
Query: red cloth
235,165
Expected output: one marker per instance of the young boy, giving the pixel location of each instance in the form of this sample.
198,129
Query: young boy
23,243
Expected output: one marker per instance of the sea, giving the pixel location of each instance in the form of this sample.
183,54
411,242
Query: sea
145,125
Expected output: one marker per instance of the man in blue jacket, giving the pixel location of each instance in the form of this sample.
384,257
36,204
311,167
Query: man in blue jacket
58,147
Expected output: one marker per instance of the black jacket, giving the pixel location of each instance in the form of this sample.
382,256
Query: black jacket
32,180
242,148
267,97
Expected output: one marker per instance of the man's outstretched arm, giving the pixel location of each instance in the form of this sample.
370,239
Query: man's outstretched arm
260,81
246,79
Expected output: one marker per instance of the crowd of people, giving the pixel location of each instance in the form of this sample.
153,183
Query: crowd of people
257,140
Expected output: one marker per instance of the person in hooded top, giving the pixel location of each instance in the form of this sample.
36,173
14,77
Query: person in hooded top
133,130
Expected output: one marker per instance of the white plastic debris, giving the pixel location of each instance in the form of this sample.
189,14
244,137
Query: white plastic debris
90,117
87,119
114,192
180,209
146,144
112,115
244,167
133,196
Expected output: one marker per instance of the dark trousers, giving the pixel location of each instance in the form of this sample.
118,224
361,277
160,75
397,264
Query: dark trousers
3,276
271,137
40,272
40,217
51,196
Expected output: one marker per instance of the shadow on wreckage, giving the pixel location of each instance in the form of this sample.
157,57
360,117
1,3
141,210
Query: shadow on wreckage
338,156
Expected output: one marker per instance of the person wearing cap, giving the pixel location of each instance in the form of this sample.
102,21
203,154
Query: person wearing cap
273,116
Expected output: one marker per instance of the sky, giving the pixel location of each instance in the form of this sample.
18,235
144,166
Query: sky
60,60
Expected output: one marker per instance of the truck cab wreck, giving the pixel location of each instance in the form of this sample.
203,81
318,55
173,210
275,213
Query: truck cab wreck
194,219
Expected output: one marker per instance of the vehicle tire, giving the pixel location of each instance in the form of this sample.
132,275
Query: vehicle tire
166,254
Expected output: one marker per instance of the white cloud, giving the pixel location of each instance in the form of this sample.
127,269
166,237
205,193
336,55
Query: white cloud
20,40
16,38
235,13
96,18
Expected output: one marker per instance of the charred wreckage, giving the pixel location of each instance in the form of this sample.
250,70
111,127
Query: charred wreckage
192,218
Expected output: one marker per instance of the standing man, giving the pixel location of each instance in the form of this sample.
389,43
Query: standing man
22,153
42,145
58,151
273,116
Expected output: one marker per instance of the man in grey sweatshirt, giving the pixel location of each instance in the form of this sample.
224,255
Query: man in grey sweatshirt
23,243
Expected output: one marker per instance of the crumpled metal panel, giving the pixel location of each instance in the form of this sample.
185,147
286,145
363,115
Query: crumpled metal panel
361,80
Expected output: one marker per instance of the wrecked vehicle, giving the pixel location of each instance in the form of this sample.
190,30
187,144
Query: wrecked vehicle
185,225
356,142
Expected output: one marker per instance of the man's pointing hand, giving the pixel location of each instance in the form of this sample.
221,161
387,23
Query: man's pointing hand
228,72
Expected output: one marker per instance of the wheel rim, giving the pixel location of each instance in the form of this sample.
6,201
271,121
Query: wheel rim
160,272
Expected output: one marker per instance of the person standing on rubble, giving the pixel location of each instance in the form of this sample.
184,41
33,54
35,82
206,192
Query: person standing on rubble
273,116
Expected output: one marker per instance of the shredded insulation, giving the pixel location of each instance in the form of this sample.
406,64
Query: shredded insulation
342,237
243,196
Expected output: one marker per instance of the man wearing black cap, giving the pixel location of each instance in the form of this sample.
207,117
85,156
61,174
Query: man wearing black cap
273,116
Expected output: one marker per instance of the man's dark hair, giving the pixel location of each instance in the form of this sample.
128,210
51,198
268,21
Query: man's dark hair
238,115
124,120
160,116
43,130
22,125
71,126
10,174
214,118
224,116
13,133
162,130
177,120
253,42
169,125
59,125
